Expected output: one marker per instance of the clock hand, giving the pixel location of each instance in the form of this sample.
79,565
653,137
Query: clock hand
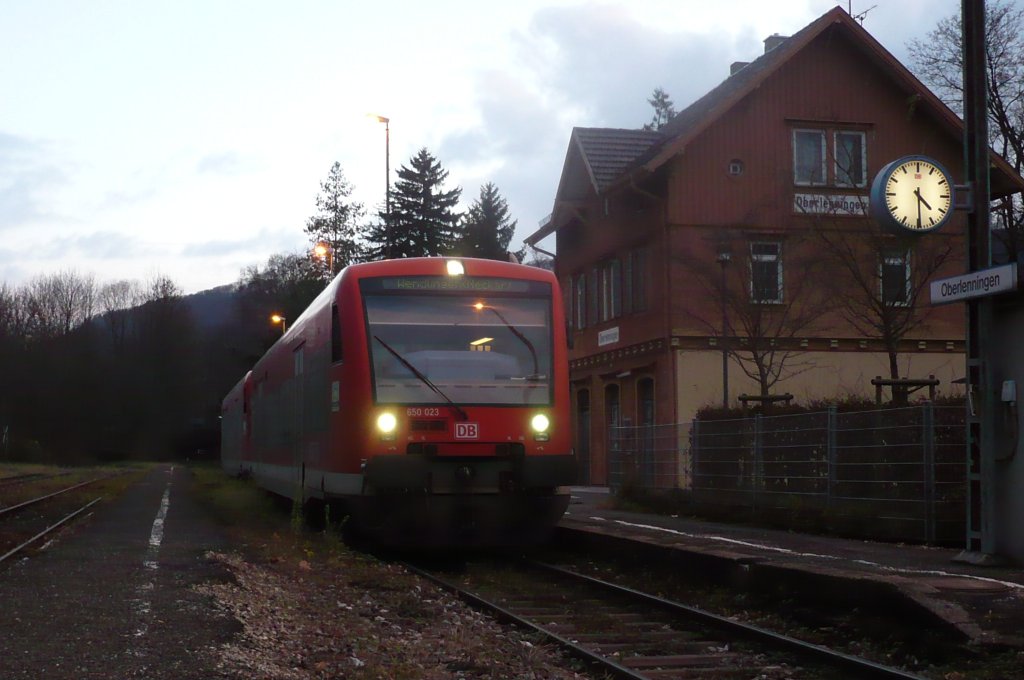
920,198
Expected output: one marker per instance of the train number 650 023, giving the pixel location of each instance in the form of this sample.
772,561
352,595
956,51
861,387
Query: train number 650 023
416,412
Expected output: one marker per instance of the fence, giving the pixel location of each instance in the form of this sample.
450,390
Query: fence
894,473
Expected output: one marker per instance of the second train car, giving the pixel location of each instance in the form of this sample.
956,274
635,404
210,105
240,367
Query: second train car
428,397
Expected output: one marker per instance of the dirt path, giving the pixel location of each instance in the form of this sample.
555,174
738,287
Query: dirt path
113,599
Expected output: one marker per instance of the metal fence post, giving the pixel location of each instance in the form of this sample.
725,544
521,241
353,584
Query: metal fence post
928,441
757,479
694,454
832,451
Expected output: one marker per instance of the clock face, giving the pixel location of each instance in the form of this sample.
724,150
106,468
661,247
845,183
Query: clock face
918,194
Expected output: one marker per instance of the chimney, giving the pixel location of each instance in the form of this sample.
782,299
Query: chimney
773,41
736,66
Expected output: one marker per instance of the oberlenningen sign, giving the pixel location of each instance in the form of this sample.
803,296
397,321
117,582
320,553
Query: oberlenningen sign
975,284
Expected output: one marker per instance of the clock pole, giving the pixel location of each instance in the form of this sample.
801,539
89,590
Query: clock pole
981,516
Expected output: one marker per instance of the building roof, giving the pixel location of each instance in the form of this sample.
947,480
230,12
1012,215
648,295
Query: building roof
601,155
608,152
605,153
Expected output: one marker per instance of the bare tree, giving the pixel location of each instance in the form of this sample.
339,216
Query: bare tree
939,61
879,279
116,300
769,302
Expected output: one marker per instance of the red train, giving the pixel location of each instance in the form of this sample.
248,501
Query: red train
427,398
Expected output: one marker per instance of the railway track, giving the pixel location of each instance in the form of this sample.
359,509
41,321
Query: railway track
626,633
20,529
40,499
15,480
48,530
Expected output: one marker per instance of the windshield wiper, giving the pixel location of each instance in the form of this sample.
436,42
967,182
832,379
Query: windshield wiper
526,341
424,379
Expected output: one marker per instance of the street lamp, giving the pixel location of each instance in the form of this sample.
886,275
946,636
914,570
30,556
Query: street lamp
277,318
325,252
724,256
387,178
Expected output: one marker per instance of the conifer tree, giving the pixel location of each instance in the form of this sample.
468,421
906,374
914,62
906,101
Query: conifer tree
336,221
664,110
486,231
423,220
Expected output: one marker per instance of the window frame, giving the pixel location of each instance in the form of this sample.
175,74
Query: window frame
762,257
580,300
855,183
893,257
610,288
823,154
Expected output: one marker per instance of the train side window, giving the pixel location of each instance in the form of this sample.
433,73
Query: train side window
335,334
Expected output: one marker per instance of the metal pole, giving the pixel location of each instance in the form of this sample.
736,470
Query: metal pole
725,346
723,259
387,180
980,421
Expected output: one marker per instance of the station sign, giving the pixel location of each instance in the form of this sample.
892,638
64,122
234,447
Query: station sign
983,282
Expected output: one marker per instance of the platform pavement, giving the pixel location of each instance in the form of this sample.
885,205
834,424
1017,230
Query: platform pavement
984,603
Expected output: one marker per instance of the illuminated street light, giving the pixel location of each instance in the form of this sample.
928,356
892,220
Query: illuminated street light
277,318
325,252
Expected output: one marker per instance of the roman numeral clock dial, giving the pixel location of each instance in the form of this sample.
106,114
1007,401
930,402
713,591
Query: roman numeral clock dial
913,195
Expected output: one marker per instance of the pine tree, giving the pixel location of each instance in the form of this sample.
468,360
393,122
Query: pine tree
336,221
486,231
422,222
664,110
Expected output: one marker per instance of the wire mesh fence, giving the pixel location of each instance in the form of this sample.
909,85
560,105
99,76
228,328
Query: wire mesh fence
901,471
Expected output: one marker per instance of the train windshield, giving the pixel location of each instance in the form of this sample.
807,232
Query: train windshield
479,348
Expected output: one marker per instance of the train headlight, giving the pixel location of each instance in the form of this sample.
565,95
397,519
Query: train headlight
386,424
540,424
455,268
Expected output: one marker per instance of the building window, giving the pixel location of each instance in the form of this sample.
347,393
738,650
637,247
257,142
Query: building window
850,166
593,291
634,298
581,301
809,157
611,405
297,359
766,272
611,290
894,278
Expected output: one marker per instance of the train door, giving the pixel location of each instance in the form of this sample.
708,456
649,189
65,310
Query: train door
583,435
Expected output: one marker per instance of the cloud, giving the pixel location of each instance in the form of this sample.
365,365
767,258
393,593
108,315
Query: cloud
588,65
263,241
27,175
226,163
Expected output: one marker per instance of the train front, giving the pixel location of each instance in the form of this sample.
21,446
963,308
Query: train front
470,407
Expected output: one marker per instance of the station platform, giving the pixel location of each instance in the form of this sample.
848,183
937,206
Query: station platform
983,603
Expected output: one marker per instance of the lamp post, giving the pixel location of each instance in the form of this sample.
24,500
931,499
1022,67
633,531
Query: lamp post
724,256
277,318
325,252
387,179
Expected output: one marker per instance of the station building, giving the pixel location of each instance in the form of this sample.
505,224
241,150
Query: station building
721,234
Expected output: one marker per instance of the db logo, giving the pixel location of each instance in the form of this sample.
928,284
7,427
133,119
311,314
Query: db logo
467,430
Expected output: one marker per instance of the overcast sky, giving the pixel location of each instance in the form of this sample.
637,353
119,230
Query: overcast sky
189,139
